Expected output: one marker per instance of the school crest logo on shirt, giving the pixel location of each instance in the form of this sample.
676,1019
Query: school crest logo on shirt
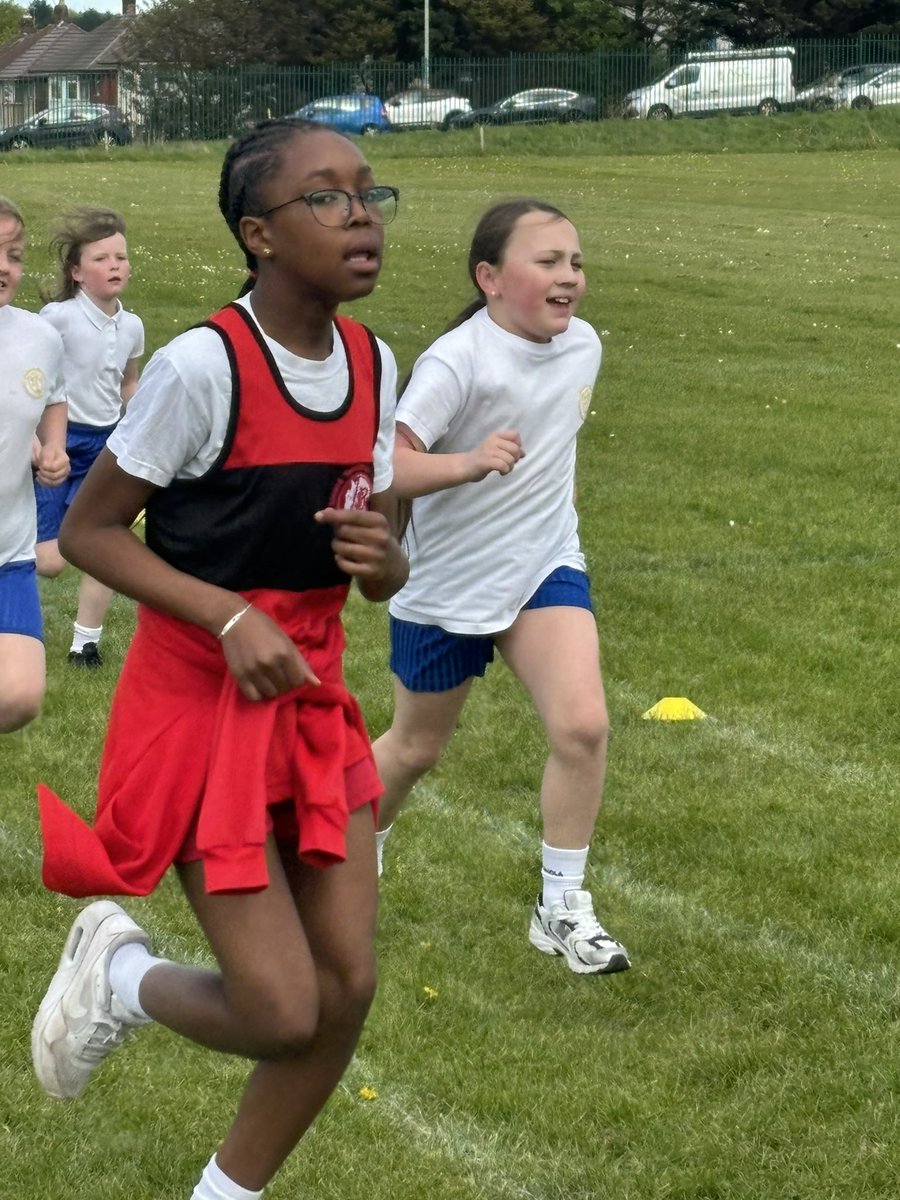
34,382
584,401
353,489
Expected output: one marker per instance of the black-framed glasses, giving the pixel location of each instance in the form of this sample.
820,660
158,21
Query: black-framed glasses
332,206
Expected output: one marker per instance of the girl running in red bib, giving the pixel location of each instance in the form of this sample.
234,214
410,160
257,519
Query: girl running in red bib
260,445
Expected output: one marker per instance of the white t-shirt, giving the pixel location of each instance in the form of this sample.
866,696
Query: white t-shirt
479,551
31,353
98,349
175,425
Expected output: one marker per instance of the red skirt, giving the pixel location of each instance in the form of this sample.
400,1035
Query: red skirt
190,767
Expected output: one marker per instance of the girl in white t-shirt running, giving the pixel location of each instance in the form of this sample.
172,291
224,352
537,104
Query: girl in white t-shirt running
103,346
486,433
32,442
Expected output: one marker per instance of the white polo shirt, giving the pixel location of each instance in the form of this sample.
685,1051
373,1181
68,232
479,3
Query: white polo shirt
177,421
98,349
31,352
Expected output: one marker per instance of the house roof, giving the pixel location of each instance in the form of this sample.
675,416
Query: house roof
64,47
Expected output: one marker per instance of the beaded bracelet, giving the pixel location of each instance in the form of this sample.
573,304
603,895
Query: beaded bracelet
232,621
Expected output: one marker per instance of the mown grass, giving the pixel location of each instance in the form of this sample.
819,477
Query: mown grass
738,493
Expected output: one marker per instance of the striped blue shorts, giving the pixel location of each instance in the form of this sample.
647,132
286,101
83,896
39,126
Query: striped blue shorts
83,445
426,658
20,604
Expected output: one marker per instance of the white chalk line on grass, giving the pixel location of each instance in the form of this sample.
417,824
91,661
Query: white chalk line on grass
463,1141
11,839
764,939
459,1140
794,753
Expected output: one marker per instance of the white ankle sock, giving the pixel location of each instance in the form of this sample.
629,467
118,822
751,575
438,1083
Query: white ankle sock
215,1185
380,839
127,968
561,871
83,635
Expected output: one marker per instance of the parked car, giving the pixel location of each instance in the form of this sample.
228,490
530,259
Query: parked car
825,93
356,112
719,81
880,89
69,124
536,106
426,108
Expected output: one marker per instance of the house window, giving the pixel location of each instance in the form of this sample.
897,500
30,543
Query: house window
63,88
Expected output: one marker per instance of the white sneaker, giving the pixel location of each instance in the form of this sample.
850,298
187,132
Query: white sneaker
571,929
80,1021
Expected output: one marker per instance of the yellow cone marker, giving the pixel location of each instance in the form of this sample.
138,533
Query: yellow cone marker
674,708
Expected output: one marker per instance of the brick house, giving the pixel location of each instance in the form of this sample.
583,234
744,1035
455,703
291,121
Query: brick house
44,68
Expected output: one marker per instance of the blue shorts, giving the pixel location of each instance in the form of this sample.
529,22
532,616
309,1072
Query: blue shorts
426,658
83,445
20,604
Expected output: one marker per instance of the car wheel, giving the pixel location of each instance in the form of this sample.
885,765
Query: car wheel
106,139
768,108
659,112
369,130
449,122
862,102
19,143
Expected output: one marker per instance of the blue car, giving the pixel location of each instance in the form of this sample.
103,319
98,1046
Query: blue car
353,113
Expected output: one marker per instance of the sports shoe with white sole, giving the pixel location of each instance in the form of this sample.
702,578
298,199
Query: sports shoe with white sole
80,1021
571,930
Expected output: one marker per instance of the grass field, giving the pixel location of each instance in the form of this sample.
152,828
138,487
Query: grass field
738,492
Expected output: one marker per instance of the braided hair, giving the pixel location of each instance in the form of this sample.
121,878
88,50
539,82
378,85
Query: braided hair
249,163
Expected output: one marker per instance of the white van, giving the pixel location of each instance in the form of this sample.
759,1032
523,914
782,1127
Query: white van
712,81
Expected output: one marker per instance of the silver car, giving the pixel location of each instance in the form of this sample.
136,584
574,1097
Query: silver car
827,92
880,89
426,108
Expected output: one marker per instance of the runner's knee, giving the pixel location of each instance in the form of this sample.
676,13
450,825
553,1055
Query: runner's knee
20,703
580,733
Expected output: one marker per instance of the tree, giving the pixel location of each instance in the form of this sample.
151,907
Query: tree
10,21
336,29
577,26
42,13
203,33
89,19
764,19
208,33
752,22
487,28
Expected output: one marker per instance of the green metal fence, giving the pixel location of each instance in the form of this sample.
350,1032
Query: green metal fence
172,104
220,103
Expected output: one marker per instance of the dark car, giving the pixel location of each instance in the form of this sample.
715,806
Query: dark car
69,124
539,105
356,112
